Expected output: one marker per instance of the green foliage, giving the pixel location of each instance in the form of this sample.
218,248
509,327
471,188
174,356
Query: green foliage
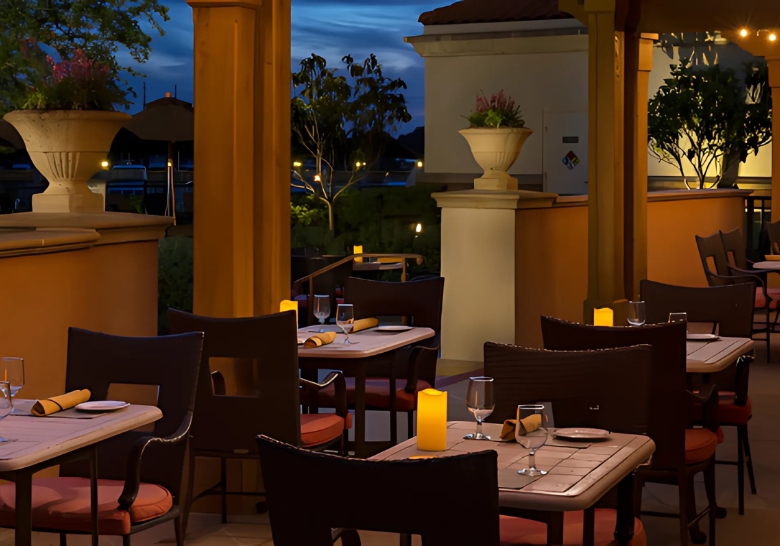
707,117
100,29
498,111
174,277
307,211
342,123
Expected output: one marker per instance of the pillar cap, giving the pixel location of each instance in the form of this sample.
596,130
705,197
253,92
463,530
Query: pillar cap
494,199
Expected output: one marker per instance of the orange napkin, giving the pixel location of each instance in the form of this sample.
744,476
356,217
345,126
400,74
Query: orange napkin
364,324
527,425
45,407
318,340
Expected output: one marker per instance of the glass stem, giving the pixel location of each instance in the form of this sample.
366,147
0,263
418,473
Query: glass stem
531,459
479,428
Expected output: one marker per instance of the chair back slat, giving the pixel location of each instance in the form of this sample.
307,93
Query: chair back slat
229,424
713,258
585,388
310,493
668,406
734,245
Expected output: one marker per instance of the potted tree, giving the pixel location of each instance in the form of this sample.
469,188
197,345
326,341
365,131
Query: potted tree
496,135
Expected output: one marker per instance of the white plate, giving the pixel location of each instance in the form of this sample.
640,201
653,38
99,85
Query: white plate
581,433
393,328
102,405
703,337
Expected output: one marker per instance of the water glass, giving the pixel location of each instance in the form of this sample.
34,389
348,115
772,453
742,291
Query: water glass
321,307
345,319
678,317
535,439
480,403
636,313
13,372
6,403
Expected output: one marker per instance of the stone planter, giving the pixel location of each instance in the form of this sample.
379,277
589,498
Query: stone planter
67,147
495,150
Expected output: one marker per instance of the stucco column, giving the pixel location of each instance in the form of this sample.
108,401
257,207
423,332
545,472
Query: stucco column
242,153
773,64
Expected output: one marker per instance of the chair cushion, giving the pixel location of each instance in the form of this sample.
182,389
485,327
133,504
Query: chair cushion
720,435
773,293
63,504
377,394
700,445
731,414
524,531
321,428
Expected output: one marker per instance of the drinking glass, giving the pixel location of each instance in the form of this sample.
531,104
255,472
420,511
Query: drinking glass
480,402
321,307
6,403
13,372
345,319
636,313
532,441
678,317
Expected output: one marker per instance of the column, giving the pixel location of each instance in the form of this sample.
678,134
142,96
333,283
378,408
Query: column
773,62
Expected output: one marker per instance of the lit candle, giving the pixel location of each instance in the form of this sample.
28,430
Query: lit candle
290,305
432,420
603,317
358,249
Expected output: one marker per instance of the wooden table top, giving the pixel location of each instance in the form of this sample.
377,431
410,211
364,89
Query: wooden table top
39,439
715,356
768,265
576,479
369,342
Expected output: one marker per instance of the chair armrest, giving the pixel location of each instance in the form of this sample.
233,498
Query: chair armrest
133,476
742,377
218,382
336,379
416,358
707,398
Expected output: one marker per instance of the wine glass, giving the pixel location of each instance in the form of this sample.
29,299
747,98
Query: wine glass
13,372
480,402
345,319
321,307
528,416
636,313
6,403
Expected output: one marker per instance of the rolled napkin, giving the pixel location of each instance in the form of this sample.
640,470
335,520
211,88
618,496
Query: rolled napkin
318,340
47,406
364,324
527,425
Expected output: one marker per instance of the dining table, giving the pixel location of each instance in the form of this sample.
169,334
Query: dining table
578,475
769,265
711,356
35,443
371,350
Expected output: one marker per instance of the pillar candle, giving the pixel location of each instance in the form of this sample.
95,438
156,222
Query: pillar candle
358,249
432,420
603,317
290,305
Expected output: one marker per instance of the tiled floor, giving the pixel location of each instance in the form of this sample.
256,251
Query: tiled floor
758,527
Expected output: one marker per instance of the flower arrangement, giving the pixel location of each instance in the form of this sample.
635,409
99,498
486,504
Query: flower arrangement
496,112
77,83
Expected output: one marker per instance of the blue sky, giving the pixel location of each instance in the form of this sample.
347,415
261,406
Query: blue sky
330,28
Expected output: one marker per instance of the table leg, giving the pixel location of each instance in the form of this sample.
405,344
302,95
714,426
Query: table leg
555,528
23,508
589,527
93,493
624,526
360,412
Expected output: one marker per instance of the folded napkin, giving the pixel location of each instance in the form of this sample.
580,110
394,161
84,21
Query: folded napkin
45,407
364,324
527,425
318,340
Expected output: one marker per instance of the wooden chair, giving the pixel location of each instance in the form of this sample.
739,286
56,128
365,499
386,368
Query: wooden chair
681,452
414,368
447,500
773,233
586,389
730,309
712,251
225,426
139,472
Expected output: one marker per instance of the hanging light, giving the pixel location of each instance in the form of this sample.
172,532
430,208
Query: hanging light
773,37
743,33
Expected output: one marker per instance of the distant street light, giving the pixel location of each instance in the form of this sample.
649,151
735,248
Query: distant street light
419,164
297,164
104,164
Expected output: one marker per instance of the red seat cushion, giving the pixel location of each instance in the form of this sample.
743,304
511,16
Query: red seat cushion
700,445
321,428
720,435
527,532
377,394
64,504
773,293
731,414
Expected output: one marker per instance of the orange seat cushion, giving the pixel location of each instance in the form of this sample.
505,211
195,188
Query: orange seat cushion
321,428
720,435
377,394
524,531
773,293
731,414
700,445
63,504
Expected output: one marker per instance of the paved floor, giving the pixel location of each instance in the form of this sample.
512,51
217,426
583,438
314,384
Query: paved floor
758,527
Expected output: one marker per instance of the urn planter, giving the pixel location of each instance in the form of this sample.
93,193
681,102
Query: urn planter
495,150
67,147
